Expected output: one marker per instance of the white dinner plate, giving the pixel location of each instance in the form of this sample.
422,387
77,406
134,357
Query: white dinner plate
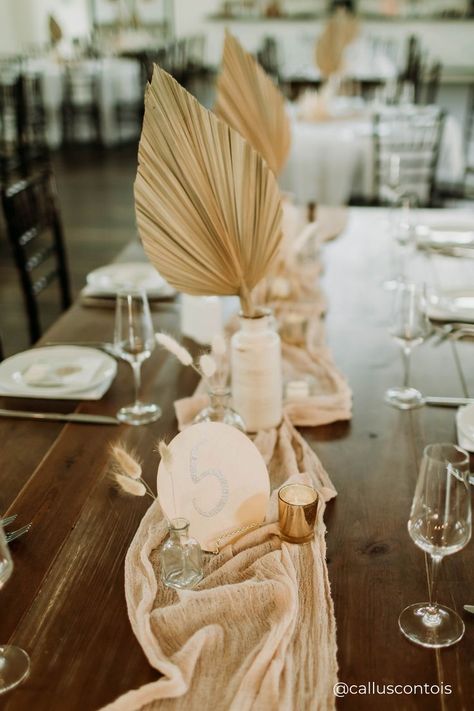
13,369
452,305
465,427
446,235
128,275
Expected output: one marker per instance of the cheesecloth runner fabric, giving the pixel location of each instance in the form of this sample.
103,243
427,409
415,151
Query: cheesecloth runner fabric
258,632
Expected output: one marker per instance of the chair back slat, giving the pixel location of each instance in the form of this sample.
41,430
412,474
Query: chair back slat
32,215
39,257
44,281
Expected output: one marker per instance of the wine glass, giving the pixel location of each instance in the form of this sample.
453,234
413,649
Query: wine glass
410,327
440,524
14,662
134,341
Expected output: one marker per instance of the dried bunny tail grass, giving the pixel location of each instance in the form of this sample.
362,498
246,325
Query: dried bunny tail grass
167,459
207,365
165,453
172,345
250,102
218,345
125,462
130,486
208,207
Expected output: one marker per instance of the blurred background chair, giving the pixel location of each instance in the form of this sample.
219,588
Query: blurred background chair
410,78
431,84
36,236
469,146
406,146
23,145
81,113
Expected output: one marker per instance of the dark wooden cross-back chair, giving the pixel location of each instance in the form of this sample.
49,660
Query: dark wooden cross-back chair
23,146
32,123
9,128
36,235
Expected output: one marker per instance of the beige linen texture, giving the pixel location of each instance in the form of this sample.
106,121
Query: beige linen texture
259,631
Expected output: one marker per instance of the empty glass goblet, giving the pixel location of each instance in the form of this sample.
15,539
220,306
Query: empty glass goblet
410,327
134,341
14,662
440,524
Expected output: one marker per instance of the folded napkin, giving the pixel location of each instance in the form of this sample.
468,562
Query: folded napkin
75,374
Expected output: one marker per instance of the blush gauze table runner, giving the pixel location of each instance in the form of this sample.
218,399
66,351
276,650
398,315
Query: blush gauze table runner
258,632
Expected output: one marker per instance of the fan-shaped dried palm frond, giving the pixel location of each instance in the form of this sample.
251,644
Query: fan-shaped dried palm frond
249,101
55,31
208,207
341,29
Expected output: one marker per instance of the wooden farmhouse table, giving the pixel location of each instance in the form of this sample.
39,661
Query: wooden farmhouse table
65,601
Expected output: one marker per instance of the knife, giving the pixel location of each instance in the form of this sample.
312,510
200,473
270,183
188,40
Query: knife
78,417
448,401
469,608
101,345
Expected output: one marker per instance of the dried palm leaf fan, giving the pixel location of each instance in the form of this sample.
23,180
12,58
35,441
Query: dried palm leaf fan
208,207
249,101
55,31
341,29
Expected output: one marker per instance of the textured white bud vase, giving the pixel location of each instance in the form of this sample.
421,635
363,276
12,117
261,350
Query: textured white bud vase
257,373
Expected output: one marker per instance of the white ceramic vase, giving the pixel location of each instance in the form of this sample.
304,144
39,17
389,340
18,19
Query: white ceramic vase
257,372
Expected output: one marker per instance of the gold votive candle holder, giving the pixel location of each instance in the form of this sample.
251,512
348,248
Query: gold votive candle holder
294,328
297,508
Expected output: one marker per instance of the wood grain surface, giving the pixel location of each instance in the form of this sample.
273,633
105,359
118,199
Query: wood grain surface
65,601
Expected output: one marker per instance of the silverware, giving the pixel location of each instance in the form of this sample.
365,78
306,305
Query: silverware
78,417
100,345
454,331
9,519
16,534
469,608
447,401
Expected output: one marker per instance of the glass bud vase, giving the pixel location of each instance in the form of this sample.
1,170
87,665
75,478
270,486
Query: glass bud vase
257,372
220,410
181,557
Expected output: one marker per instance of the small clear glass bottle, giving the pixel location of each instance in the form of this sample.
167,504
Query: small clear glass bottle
219,410
181,557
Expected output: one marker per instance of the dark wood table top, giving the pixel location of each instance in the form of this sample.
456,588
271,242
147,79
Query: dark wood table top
65,601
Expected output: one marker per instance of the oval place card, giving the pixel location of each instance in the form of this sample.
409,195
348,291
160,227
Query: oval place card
219,482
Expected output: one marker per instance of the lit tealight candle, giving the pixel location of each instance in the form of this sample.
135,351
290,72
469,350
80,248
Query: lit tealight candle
297,507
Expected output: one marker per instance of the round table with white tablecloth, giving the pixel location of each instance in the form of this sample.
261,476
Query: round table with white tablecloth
118,80
332,160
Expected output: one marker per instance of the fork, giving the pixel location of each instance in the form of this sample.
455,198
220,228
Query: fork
8,520
19,532
454,331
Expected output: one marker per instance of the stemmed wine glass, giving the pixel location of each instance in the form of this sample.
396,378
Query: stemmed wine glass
134,341
410,327
14,662
440,524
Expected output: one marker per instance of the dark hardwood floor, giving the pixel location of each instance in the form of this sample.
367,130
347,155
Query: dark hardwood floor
96,200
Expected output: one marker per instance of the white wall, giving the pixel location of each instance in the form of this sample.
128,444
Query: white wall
25,22
7,37
450,42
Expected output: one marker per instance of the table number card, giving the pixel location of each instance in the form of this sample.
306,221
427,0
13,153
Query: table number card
220,482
